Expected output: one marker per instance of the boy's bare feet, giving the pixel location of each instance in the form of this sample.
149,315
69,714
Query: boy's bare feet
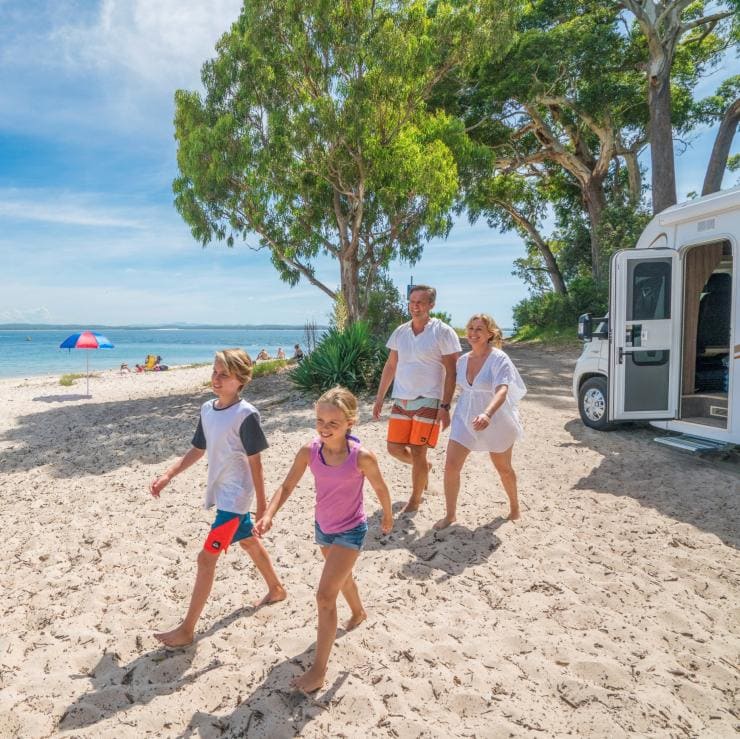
274,595
514,514
443,523
355,621
309,682
179,637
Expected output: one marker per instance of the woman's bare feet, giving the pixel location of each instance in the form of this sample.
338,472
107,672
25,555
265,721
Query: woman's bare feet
443,523
309,682
179,637
354,621
274,595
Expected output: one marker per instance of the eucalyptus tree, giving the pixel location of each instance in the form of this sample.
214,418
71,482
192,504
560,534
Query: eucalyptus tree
667,26
315,136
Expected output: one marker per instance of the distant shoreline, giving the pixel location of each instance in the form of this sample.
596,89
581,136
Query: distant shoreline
154,327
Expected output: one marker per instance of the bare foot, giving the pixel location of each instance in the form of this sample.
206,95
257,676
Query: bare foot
412,506
443,523
274,595
309,682
179,637
514,514
355,621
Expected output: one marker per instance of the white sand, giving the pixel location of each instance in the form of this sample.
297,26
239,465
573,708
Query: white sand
610,609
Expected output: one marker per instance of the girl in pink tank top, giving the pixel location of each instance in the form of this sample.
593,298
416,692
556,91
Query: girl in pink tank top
339,466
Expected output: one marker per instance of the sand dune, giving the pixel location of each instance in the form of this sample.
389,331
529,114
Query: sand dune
610,609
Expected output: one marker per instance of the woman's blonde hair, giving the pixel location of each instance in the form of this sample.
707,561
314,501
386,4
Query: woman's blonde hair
237,362
497,338
343,399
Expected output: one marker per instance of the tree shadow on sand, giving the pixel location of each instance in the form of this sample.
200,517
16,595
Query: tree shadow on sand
273,710
448,552
95,438
705,494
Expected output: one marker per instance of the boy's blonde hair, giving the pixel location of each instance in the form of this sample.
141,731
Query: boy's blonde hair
343,399
237,362
497,339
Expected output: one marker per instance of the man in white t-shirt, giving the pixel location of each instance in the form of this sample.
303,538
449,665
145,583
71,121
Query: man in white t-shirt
421,365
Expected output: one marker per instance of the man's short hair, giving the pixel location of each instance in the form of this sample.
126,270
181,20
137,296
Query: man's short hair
430,291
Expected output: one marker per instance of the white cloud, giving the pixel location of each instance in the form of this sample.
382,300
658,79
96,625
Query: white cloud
72,212
26,315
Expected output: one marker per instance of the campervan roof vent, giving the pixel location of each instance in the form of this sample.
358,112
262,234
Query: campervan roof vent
706,225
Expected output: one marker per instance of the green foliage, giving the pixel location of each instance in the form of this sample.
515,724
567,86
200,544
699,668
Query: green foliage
352,358
269,367
385,308
445,317
68,380
552,311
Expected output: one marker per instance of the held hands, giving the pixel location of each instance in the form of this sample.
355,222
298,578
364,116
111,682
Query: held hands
481,421
157,485
377,409
443,416
263,525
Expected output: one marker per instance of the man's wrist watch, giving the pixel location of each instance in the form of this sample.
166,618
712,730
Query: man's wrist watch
444,406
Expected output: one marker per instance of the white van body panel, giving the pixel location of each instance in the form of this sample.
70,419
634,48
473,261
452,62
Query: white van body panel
708,220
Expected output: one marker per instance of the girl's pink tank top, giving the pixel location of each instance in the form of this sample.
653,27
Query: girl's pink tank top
339,501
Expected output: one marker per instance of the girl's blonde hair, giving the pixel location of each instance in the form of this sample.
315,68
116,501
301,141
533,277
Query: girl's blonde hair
497,338
343,399
237,362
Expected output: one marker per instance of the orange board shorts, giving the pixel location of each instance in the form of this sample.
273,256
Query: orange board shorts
414,422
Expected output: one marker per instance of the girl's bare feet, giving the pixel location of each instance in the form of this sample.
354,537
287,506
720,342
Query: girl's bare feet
274,595
309,682
443,523
412,506
179,637
355,621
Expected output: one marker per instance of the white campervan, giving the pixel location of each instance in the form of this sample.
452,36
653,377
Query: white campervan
669,351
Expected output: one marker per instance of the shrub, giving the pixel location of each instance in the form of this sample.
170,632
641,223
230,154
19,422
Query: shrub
352,358
68,380
270,367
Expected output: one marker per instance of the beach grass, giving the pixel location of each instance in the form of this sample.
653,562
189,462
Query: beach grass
69,380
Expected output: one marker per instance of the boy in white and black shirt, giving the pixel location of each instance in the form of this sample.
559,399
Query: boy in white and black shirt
229,429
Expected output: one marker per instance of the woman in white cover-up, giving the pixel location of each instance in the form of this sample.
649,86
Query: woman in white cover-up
486,417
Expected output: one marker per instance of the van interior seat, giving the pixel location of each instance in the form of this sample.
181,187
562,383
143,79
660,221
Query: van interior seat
714,313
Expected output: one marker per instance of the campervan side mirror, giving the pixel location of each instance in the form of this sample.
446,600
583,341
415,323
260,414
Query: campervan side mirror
585,327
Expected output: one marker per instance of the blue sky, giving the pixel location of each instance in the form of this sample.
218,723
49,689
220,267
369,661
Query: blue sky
88,233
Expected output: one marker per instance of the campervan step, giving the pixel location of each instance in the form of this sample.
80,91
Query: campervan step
693,444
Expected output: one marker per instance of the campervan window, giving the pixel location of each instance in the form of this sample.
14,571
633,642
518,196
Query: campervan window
650,290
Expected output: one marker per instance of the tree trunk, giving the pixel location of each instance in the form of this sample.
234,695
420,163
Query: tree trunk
634,176
721,149
349,272
661,142
593,195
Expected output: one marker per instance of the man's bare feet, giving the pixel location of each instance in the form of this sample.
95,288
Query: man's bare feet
355,621
274,595
309,682
514,514
179,637
443,523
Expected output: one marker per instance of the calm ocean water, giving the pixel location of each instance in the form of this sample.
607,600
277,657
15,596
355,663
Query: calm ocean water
28,352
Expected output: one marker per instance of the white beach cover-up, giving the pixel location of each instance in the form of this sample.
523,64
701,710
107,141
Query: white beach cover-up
505,427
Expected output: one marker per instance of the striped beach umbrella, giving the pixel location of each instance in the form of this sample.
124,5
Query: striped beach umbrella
86,340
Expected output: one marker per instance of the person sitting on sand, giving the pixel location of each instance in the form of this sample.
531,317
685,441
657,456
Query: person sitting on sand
280,353
124,369
298,353
486,417
339,466
263,355
229,428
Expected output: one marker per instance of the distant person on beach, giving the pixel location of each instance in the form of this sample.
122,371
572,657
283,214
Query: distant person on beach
125,369
280,353
339,466
229,428
263,355
421,366
298,353
486,417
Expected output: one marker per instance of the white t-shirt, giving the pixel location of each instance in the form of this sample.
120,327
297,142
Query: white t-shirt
229,435
420,372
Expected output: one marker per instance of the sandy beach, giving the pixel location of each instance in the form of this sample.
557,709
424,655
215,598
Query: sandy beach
610,609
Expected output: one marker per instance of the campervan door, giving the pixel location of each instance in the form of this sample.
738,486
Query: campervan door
645,312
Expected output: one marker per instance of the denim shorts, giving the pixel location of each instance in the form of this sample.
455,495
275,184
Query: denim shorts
352,539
